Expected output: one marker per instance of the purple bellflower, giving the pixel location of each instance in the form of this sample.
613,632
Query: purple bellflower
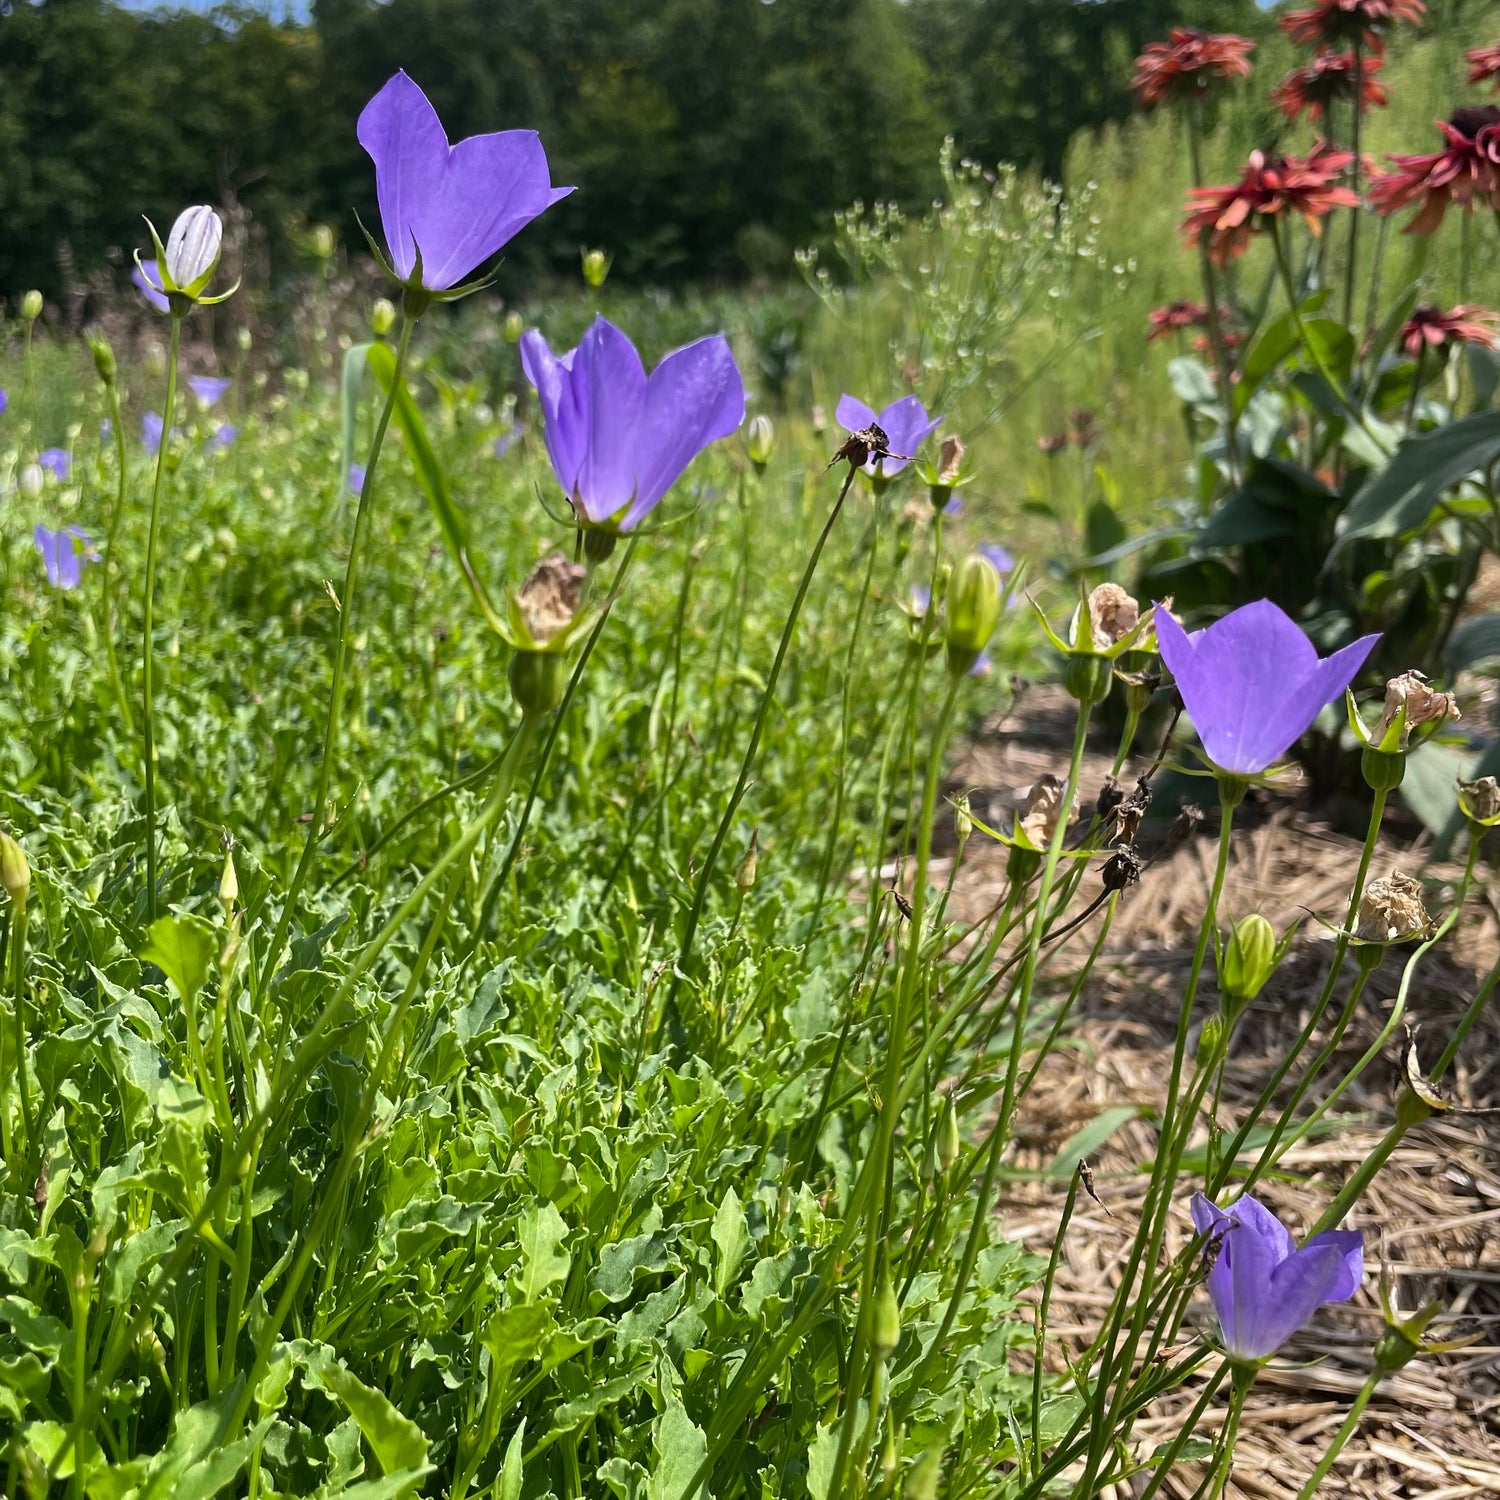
618,439
4,401
1253,682
905,423
221,437
57,461
151,430
447,209
147,279
355,478
1263,1287
997,557
209,389
64,553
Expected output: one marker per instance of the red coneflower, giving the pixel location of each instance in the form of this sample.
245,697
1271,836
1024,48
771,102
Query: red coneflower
1465,171
1189,63
1484,64
1329,77
1051,443
1431,328
1271,188
1341,23
1176,316
1202,344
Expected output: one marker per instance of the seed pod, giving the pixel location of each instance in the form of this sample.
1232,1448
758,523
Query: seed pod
536,681
947,1137
744,874
885,1324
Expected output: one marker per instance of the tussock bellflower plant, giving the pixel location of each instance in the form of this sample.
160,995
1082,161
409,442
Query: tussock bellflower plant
1253,683
618,439
447,209
906,426
1263,1287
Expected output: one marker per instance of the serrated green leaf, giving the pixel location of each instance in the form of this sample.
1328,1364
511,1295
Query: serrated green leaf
731,1235
184,948
680,1447
541,1233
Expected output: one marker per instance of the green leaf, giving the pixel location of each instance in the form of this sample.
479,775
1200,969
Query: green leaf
510,1470
680,1447
1276,341
621,1262
397,1442
197,1463
1428,787
451,521
544,1262
821,1454
1403,494
184,948
1086,1141
1193,383
731,1234
1474,641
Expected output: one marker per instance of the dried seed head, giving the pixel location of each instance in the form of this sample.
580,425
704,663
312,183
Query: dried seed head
1113,614
1043,807
1423,706
950,461
1480,800
1391,910
1121,869
549,597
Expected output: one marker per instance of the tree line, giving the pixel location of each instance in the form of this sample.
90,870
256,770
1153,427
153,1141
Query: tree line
707,137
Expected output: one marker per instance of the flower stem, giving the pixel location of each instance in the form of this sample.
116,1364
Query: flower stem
340,657
16,953
148,653
1342,1436
107,571
1351,265
710,863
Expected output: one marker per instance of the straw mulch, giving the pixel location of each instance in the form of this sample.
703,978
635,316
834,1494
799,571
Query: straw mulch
1430,1219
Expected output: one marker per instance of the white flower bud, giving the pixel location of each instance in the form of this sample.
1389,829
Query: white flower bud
193,248
32,479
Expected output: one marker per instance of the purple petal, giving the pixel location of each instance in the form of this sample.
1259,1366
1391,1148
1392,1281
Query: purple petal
564,419
149,285
1350,1244
406,141
355,479
1246,681
458,204
151,428
1298,1287
209,388
1334,674
852,413
694,397
606,366
58,462
64,553
907,427
999,558
223,436
4,401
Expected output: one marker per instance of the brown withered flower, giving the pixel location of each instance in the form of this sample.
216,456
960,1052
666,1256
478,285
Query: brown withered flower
1480,799
1043,808
1391,910
950,463
1412,692
549,598
1113,614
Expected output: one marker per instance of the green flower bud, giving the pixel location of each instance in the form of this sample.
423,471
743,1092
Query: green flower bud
15,871
947,1137
104,358
885,1324
596,266
31,306
1210,1039
382,316
229,883
514,327
973,611
963,822
244,339
1382,769
1250,958
744,874
322,241
760,442
1088,677
536,681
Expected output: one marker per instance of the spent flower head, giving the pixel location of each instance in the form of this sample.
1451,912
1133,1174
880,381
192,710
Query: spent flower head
447,209
1479,800
544,610
1466,172
618,439
1329,79
1263,1287
1342,23
1044,801
1391,910
1431,330
1253,683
